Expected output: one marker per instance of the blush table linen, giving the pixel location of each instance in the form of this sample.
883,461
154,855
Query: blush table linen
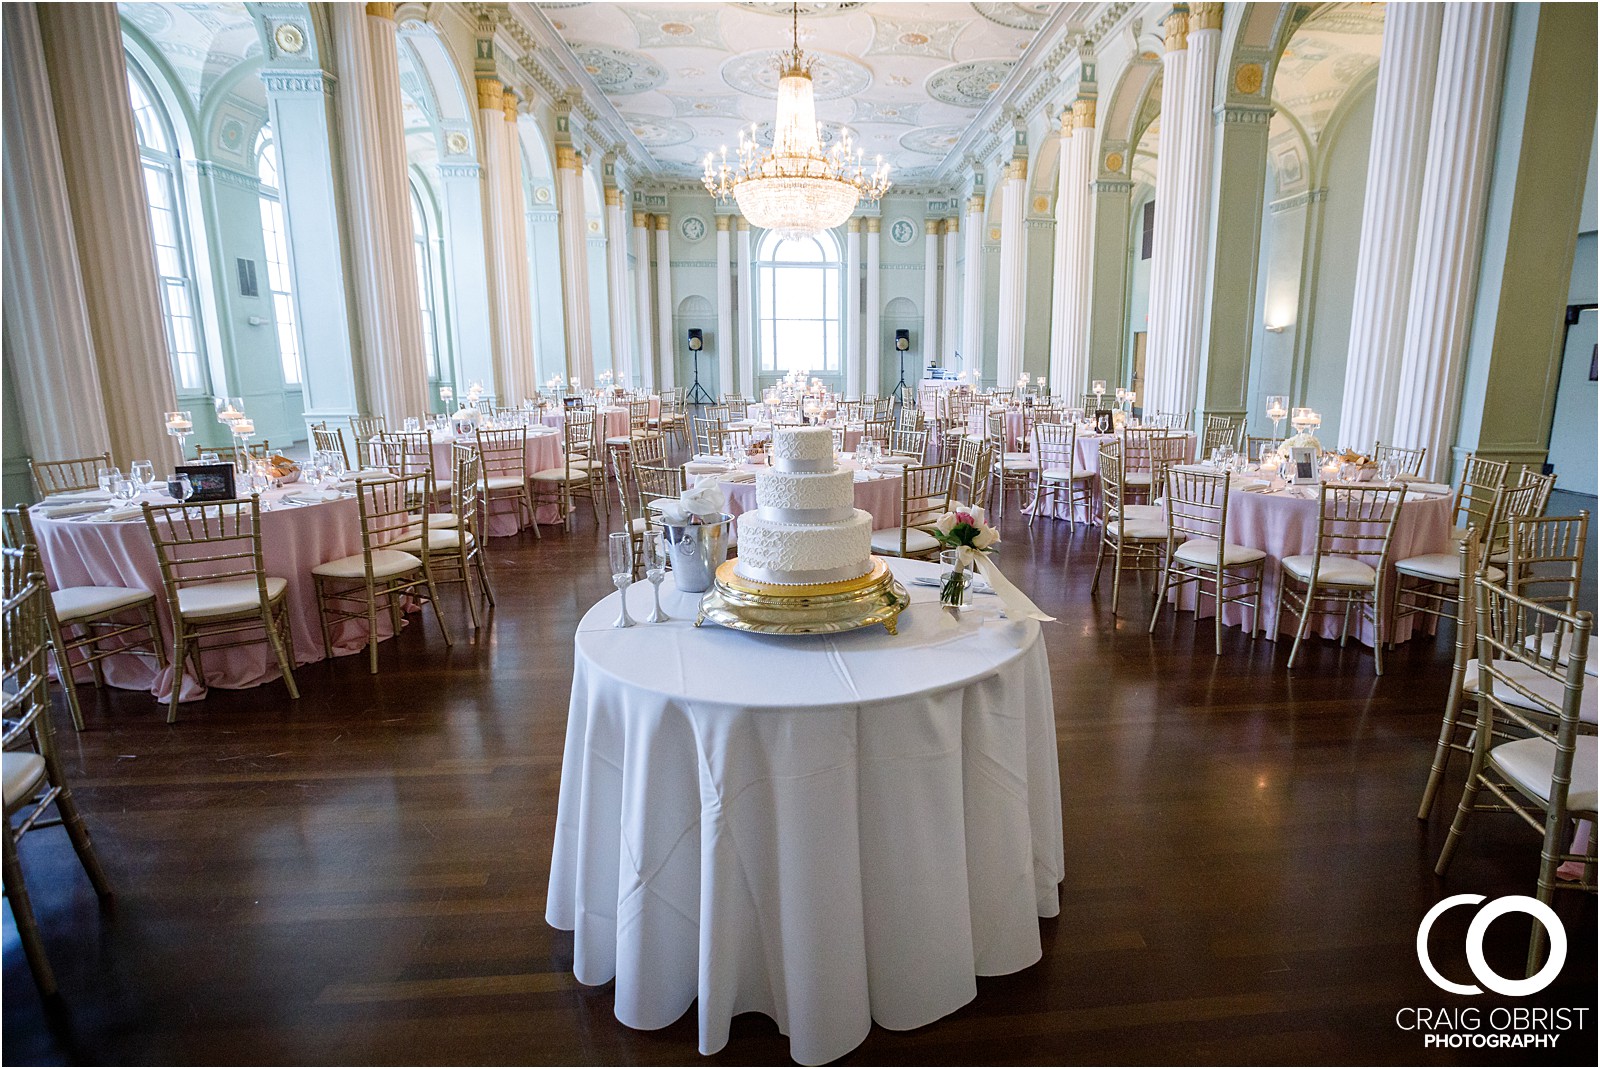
294,540
542,451
830,830
614,421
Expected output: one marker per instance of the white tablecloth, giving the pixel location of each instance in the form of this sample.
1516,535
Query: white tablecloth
830,830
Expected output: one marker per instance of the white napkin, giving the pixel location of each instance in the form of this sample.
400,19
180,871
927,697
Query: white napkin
862,476
312,496
62,511
1416,487
895,461
76,495
1250,484
739,477
117,515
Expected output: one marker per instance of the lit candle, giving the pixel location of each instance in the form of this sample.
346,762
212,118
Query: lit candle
243,428
178,424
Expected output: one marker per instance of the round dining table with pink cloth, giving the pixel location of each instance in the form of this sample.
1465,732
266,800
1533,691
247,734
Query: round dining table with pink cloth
614,421
543,450
294,539
1284,523
1086,451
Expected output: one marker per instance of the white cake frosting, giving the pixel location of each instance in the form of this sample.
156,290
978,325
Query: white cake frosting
806,528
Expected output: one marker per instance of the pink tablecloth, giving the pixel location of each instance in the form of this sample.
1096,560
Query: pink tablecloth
614,422
1087,449
543,451
880,496
294,540
1284,525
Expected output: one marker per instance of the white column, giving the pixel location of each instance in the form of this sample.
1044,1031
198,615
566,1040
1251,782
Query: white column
1158,388
621,308
669,347
872,339
851,378
388,306
1455,186
1188,282
972,290
49,346
643,302
1079,261
725,383
82,46
950,332
1059,379
574,265
930,347
1389,214
1013,264
509,300
747,327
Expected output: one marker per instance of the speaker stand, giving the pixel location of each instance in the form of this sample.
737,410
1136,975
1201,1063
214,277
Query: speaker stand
901,389
698,394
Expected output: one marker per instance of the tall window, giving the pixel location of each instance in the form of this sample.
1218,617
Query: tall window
279,287
422,248
159,159
798,291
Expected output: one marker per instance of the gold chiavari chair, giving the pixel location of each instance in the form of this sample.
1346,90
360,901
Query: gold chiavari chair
1055,448
575,477
1014,471
1252,446
411,453
1220,431
1134,535
973,458
64,476
1138,468
504,458
217,586
671,422
34,779
878,430
1532,680
1198,550
738,407
1172,421
656,482
1429,583
1408,461
904,442
634,520
924,497
456,552
351,588
855,411
326,441
82,620
725,440
1091,404
911,418
1476,497
706,433
365,432
1347,569
719,413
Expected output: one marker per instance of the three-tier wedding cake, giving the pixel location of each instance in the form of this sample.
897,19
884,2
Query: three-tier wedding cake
806,528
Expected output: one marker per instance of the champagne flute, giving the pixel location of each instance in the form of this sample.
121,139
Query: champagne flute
622,573
655,570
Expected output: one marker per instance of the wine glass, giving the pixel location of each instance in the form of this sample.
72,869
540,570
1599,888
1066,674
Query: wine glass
655,570
179,487
107,478
1386,470
144,473
622,573
125,489
1277,408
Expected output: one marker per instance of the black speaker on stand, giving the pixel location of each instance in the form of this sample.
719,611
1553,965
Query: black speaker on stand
902,342
697,394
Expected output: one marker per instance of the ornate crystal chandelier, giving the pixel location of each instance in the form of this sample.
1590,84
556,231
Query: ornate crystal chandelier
795,187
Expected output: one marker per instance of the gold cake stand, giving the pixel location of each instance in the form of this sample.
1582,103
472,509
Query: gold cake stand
816,609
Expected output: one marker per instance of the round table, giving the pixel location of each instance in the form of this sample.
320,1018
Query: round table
831,830
1284,523
83,552
614,422
543,450
876,492
1086,449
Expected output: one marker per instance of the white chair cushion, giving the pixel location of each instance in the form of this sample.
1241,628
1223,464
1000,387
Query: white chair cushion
1203,552
442,520
1540,684
1336,570
640,525
447,538
227,598
385,563
1062,475
621,439
1141,530
1530,763
503,482
1544,642
1018,458
888,541
1440,568
561,475
82,602
1136,478
1150,513
23,772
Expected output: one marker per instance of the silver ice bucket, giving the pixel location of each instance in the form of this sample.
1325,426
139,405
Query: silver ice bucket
697,551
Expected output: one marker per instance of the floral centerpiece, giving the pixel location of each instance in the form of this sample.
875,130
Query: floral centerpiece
964,530
1302,440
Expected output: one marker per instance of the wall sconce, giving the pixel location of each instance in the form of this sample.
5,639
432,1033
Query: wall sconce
1275,328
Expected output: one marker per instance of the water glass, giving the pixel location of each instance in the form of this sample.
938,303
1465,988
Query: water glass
144,473
411,424
1386,470
179,488
108,478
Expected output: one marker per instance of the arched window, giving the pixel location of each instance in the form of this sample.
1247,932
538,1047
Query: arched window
423,249
276,237
798,297
159,160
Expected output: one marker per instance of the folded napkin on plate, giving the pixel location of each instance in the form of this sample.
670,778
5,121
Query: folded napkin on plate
1414,486
62,511
118,515
709,458
895,461
702,467
866,476
739,477
1250,484
76,495
311,496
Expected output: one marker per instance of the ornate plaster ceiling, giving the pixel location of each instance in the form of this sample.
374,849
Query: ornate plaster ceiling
1336,47
905,79
201,42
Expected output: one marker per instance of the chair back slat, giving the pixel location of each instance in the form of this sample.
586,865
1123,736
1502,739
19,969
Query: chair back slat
658,481
466,496
505,451
1405,460
61,476
25,664
326,441
1356,520
1544,559
1481,483
1546,644
1196,503
200,544
925,494
906,442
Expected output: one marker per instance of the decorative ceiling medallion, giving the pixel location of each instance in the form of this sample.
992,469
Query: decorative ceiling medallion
828,133
456,143
660,27
153,19
932,140
1247,79
902,231
969,85
232,134
693,228
617,71
875,111
805,9
723,105
654,131
915,37
1016,16
756,73
289,38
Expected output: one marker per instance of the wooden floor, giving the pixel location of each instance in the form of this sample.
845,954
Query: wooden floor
360,877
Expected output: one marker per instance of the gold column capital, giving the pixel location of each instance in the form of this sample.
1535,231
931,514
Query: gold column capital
508,103
724,223
663,222
931,226
744,224
1083,110
613,197
1018,169
1176,25
852,225
381,11
641,220
1205,17
567,159
952,225
874,224
489,93
1068,120
975,203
